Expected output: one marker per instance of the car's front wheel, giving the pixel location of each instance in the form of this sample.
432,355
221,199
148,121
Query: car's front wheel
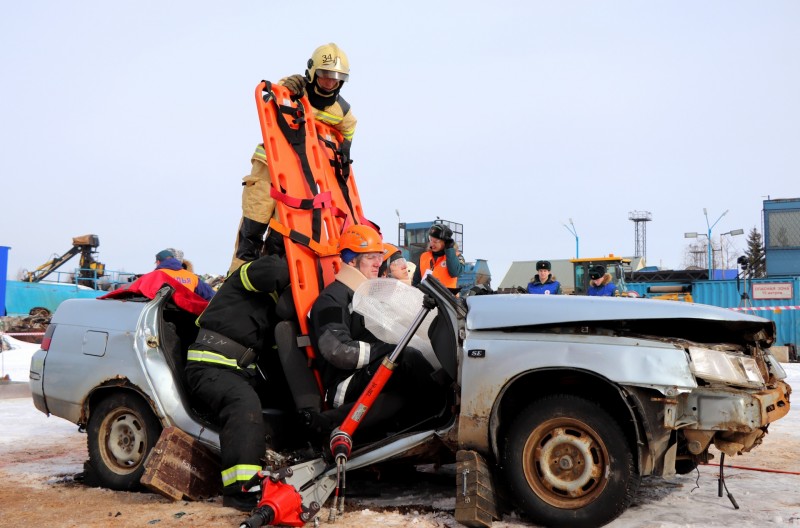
569,463
122,430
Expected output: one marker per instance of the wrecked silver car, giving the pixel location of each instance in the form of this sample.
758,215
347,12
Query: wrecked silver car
569,401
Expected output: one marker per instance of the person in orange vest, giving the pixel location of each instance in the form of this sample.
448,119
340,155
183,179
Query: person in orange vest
169,264
326,72
442,260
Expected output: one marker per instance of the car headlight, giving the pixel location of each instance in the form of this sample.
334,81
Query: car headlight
713,365
775,368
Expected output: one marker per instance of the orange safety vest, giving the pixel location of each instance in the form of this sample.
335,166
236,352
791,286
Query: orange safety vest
438,267
187,278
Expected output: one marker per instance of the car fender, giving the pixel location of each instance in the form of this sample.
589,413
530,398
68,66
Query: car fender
493,360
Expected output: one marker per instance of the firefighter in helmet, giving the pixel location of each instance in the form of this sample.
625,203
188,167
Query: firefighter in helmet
326,72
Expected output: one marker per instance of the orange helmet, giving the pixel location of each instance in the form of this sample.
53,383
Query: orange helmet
361,239
390,249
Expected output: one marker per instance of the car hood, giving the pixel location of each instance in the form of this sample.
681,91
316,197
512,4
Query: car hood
516,310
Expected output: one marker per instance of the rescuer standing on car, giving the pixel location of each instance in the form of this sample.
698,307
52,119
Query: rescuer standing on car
221,368
351,354
442,259
327,70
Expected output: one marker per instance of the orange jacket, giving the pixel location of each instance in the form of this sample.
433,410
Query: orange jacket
438,267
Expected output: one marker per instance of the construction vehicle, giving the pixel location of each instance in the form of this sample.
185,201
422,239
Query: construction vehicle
39,292
90,269
619,267
614,265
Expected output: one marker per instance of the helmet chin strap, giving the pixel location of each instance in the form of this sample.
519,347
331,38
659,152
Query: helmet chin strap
320,98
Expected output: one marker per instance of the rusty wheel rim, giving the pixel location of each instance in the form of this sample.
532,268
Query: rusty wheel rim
566,463
125,441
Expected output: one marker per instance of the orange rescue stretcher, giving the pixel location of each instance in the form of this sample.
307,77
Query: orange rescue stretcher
314,202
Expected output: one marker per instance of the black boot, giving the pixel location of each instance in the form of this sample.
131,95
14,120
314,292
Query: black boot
244,502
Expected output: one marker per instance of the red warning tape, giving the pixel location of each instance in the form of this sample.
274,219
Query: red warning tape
757,308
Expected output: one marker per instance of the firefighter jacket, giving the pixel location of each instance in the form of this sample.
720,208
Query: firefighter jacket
172,267
607,287
445,265
243,310
550,287
340,334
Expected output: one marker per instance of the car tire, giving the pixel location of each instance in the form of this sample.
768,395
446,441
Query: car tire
122,430
569,464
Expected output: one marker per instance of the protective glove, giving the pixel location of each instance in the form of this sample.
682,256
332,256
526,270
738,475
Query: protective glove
296,84
346,161
443,233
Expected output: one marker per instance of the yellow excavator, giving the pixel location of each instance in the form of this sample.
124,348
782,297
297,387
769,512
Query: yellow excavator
90,269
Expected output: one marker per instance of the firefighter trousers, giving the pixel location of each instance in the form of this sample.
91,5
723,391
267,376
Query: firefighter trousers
231,398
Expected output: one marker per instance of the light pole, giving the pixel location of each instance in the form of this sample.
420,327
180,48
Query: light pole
571,229
732,232
710,227
695,235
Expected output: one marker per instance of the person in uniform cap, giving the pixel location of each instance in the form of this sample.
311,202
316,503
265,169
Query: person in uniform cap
600,282
544,282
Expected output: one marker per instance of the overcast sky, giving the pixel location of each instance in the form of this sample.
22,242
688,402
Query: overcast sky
135,121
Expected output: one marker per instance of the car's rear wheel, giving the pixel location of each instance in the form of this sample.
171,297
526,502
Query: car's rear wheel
569,463
122,430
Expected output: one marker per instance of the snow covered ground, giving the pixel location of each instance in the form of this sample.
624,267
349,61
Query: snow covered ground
767,491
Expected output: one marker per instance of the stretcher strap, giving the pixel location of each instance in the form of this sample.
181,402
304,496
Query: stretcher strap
322,250
320,201
364,221
336,163
297,139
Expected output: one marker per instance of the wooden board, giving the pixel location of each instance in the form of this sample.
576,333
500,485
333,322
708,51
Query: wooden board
179,467
476,502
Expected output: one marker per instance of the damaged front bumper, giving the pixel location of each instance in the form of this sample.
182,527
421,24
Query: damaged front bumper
734,420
